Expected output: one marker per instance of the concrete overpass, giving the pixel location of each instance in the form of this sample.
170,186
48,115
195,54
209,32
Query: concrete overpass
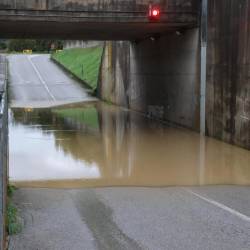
95,19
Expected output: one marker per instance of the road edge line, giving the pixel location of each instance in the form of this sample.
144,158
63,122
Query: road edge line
220,205
41,79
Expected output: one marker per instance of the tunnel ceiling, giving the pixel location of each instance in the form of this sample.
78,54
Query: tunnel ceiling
88,31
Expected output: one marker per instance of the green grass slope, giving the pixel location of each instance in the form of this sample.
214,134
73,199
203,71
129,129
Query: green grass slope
83,63
88,116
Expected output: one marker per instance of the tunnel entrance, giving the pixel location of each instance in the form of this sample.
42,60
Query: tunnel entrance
156,72
145,55
128,115
88,143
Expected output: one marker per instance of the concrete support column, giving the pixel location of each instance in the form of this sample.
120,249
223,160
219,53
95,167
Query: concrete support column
203,73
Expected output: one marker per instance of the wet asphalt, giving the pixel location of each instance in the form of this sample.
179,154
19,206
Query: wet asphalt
36,81
134,218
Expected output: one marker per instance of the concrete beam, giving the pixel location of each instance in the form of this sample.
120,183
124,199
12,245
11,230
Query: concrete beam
98,20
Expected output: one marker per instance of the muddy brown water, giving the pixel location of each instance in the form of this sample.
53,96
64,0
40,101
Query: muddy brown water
95,145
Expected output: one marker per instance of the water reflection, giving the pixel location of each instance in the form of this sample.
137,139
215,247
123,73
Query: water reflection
102,145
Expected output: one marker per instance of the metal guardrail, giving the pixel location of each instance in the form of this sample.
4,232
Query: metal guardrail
3,147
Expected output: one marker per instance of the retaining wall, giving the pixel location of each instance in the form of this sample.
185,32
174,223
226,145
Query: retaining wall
228,71
159,77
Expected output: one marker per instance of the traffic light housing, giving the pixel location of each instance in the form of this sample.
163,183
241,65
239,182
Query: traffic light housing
154,13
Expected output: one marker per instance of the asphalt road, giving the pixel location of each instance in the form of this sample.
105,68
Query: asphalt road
36,81
178,218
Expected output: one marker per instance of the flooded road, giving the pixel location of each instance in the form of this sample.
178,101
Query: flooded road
96,145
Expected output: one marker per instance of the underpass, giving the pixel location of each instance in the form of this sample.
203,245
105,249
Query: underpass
92,175
158,71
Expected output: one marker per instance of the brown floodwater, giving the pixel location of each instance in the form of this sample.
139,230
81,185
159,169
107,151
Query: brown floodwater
95,145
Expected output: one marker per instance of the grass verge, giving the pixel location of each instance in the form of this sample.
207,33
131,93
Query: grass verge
82,63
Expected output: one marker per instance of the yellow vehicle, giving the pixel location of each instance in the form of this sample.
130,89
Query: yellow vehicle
27,51
28,110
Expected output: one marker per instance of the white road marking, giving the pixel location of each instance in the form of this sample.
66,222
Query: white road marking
41,79
217,204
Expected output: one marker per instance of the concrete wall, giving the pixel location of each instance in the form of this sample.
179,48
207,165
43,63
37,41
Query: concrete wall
159,78
228,76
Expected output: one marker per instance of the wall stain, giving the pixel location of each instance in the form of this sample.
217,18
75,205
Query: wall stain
228,63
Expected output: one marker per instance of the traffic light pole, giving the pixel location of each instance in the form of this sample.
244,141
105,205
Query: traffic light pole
203,69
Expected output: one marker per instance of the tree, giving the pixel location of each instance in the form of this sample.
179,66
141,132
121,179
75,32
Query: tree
18,45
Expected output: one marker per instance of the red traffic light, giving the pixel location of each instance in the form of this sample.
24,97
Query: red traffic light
154,13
